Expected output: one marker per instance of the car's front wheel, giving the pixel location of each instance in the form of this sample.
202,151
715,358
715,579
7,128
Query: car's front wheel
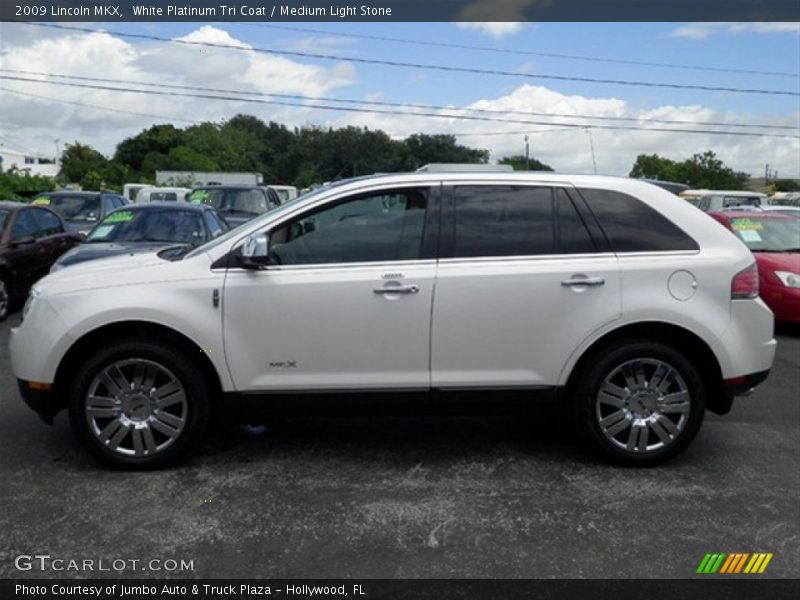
639,402
139,404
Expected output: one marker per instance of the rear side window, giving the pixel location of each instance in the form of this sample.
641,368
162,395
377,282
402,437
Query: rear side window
503,221
632,226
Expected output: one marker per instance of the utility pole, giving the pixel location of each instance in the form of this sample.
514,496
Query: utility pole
591,146
527,154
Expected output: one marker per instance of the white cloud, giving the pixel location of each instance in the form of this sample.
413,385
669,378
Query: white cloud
702,31
568,150
496,29
102,55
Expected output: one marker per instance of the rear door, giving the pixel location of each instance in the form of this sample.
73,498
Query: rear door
525,277
51,236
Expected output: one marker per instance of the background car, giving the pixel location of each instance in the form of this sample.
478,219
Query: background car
774,239
81,210
145,228
31,239
237,204
791,211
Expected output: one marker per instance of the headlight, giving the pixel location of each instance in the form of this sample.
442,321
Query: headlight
34,293
788,278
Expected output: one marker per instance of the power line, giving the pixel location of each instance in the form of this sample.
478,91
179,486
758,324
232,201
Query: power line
97,106
605,59
429,67
396,112
412,105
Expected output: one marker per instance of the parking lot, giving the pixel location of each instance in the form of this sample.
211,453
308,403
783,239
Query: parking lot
412,497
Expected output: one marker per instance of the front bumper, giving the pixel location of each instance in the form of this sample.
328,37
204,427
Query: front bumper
40,400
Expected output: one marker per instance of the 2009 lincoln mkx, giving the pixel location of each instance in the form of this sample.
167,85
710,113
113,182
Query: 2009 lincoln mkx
422,289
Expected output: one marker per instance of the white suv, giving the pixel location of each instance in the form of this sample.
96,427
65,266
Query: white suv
421,289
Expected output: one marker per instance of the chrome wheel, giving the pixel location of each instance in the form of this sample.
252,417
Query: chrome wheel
136,407
4,299
643,405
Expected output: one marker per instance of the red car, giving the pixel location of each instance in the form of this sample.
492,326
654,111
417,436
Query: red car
774,239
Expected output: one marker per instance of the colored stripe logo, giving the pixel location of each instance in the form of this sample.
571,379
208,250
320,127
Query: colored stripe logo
733,563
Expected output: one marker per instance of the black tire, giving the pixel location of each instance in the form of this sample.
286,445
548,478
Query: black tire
588,410
5,297
196,408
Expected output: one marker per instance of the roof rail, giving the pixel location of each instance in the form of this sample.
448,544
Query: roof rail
464,168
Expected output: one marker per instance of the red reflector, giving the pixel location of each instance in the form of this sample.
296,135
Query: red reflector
745,283
736,380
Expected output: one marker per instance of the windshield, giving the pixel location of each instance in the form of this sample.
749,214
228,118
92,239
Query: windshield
166,226
768,235
741,201
3,218
77,208
252,201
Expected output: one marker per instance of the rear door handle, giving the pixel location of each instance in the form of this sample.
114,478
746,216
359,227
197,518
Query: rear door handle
580,281
397,289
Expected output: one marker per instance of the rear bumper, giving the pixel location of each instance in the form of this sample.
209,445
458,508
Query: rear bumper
41,401
738,386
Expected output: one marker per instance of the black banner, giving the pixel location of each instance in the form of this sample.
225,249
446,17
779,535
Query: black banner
116,11
383,589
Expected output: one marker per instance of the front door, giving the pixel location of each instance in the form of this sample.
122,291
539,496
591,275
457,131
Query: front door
347,304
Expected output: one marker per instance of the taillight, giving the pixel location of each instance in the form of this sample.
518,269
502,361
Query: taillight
745,283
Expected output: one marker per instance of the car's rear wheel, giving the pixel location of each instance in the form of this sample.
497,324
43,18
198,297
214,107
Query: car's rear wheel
5,298
639,402
139,404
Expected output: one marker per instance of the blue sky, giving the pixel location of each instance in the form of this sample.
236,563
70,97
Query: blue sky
750,46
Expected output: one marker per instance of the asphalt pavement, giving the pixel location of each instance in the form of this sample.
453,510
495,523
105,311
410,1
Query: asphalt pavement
409,497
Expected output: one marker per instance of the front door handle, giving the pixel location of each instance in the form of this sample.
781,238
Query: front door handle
582,280
397,289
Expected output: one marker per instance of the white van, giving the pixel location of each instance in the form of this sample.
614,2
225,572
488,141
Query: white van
707,200
162,194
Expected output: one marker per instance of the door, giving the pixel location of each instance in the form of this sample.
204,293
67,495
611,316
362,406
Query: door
347,303
29,258
525,279
50,235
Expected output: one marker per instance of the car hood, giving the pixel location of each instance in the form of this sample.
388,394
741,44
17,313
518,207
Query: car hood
779,261
92,251
138,268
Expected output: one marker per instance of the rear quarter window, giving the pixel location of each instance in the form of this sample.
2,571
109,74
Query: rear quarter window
632,226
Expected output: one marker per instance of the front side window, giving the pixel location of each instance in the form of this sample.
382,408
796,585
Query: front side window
632,226
503,221
24,225
49,224
385,226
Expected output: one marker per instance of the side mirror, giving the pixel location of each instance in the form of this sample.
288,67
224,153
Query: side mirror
255,251
23,241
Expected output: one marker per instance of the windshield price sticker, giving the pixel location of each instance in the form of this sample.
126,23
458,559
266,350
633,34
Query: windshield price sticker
198,196
120,217
42,201
746,225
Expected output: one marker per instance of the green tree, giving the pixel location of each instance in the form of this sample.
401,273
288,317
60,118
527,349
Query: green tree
786,185
15,185
702,170
92,181
79,159
520,163
421,149
159,139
